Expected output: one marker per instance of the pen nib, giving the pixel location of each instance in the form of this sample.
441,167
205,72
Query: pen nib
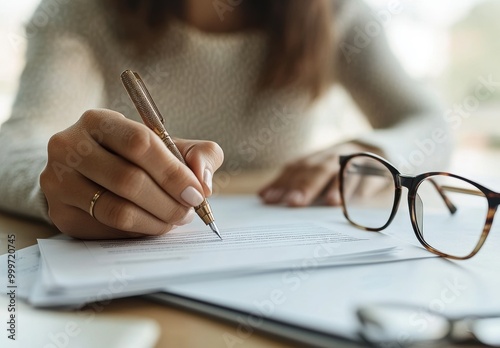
214,228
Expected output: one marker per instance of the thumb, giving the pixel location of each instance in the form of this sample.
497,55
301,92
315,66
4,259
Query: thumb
203,157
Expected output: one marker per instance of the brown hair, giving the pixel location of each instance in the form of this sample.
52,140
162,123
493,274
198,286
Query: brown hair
300,36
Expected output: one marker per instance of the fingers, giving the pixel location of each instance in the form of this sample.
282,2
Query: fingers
79,224
116,212
143,148
316,176
203,158
332,195
147,191
115,217
302,182
132,184
351,184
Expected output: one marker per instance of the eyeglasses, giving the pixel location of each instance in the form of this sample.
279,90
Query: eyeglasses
454,222
399,325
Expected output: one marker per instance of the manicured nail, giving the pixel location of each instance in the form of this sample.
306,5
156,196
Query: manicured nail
191,196
277,195
188,218
268,195
295,198
207,179
273,195
334,198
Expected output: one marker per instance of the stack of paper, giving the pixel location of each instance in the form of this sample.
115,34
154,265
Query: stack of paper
257,239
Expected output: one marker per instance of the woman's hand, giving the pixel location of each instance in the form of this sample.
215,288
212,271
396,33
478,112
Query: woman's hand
146,190
311,178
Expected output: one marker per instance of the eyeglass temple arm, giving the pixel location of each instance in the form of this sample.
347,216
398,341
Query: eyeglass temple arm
462,190
440,189
368,170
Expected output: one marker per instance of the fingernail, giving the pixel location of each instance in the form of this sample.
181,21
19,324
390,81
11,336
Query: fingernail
273,195
277,194
188,218
268,195
207,179
191,196
334,198
295,198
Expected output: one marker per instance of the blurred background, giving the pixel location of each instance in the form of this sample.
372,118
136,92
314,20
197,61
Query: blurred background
453,46
450,45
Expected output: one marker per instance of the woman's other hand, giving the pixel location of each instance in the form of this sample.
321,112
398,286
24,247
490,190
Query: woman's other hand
146,190
311,179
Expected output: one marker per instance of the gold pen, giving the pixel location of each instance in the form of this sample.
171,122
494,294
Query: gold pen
153,119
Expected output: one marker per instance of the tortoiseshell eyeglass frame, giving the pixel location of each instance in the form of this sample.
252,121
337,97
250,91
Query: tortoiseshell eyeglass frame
412,183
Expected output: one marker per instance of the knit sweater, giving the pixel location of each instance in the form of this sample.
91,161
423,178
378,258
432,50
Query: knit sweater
204,83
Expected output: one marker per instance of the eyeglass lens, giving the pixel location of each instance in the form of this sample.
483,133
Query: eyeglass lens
407,325
455,233
401,325
368,192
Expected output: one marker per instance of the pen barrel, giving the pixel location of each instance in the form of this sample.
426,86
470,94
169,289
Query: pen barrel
169,143
153,119
205,212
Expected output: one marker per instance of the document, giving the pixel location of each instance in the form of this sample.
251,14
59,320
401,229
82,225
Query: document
182,256
271,242
257,239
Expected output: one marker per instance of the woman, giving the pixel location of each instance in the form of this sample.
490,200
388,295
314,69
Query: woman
242,74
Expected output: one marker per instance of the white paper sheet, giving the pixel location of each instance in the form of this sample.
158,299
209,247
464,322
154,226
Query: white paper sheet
257,239
27,266
261,244
326,300
74,264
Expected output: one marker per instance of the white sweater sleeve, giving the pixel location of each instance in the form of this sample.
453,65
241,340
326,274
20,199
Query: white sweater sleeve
407,119
60,81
